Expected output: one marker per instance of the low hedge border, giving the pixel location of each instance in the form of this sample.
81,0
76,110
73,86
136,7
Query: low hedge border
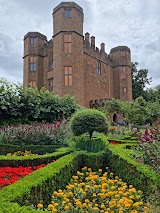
125,166
39,149
15,161
10,207
122,140
39,185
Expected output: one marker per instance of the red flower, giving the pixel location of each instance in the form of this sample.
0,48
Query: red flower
114,142
9,175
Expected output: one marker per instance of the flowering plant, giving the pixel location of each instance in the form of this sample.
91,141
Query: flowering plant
96,192
9,175
149,145
114,142
36,134
20,153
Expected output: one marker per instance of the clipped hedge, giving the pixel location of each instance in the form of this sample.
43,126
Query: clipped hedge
10,207
36,149
141,176
15,161
40,184
123,140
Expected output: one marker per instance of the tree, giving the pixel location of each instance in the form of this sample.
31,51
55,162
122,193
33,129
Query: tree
139,80
88,121
152,94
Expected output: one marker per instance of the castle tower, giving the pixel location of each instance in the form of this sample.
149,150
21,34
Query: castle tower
68,50
33,59
122,76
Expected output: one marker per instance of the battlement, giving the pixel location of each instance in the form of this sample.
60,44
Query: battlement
121,48
68,5
35,34
91,49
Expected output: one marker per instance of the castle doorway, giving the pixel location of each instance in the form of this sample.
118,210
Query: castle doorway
115,119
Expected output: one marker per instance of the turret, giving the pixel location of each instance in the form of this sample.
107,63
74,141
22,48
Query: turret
122,77
68,16
33,59
68,50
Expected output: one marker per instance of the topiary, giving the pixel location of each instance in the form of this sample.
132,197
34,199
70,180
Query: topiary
88,121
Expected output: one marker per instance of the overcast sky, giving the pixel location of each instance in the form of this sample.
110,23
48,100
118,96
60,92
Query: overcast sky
134,23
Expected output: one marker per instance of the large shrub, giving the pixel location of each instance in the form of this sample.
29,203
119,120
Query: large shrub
36,134
18,105
88,121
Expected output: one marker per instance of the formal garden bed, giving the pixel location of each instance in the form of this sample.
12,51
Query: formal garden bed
53,163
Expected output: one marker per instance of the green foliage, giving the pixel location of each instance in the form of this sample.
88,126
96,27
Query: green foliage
15,161
139,80
88,121
32,104
95,144
138,111
39,149
39,185
36,134
149,145
123,164
113,105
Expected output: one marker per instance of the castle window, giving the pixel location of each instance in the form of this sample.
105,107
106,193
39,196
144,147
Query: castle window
68,76
67,43
33,40
32,65
50,84
98,68
50,61
123,72
124,90
123,53
67,13
32,84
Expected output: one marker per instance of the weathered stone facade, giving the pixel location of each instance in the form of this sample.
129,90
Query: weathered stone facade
71,64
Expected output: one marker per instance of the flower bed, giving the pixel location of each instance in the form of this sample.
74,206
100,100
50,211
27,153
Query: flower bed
9,175
96,192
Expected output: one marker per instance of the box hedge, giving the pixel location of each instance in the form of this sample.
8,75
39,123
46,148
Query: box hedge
15,161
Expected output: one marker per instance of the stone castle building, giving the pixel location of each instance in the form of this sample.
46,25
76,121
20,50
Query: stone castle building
71,64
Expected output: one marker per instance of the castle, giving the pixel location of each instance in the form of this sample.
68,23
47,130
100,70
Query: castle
71,64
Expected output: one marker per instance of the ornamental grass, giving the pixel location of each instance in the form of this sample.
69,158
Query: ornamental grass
94,192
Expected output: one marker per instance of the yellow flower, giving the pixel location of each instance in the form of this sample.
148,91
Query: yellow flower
103,196
112,203
50,207
102,206
70,194
100,170
86,201
79,204
40,205
95,208
54,210
66,208
127,205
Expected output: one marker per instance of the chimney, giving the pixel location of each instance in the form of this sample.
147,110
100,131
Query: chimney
93,42
87,36
102,47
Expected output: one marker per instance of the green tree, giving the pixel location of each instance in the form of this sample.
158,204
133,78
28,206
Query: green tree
88,121
152,94
139,81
